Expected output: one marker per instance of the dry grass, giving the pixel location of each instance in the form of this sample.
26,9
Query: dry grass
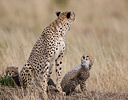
100,29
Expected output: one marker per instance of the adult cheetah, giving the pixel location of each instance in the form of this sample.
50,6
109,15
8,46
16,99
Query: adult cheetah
77,75
48,49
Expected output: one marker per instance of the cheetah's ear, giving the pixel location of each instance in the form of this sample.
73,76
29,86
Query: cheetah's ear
58,13
68,15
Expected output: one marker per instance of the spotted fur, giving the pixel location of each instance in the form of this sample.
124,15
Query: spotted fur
77,75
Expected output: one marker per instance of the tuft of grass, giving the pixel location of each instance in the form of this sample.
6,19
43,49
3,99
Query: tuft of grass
7,81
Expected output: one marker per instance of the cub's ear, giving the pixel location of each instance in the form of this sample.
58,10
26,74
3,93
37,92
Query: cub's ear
58,13
68,15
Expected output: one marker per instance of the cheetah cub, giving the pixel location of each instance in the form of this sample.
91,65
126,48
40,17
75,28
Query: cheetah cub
77,75
12,71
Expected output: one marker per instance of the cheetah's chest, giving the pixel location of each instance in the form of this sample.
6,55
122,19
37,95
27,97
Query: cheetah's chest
60,47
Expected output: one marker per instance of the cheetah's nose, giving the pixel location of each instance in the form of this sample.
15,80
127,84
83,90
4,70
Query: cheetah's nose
9,74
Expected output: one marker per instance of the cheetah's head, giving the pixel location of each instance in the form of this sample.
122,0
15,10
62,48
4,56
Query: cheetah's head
87,61
66,16
11,71
64,20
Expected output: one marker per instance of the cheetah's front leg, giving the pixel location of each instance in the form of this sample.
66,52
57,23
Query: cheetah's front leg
45,80
83,87
58,63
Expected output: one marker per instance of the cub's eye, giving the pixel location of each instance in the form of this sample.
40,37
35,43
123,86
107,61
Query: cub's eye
87,56
83,57
12,71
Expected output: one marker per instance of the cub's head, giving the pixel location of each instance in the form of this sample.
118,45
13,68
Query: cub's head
87,61
11,71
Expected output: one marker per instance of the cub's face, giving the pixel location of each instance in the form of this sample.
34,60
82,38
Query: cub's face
87,61
11,71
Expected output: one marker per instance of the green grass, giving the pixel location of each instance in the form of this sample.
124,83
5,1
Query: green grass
7,81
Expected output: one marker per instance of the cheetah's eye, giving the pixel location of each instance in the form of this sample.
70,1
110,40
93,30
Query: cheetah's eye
12,71
83,57
87,56
68,15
